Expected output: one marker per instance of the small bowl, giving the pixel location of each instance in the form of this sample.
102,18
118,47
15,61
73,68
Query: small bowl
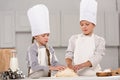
103,74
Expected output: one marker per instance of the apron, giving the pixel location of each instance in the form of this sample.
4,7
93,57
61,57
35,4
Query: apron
43,61
85,47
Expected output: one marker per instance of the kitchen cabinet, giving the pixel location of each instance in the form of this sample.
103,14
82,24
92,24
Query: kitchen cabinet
112,28
110,59
107,5
65,23
69,25
22,22
7,29
55,29
118,5
100,27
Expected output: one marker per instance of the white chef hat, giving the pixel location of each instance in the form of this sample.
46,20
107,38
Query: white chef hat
38,17
88,10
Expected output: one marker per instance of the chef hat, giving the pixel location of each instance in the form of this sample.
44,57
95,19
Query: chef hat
38,17
88,10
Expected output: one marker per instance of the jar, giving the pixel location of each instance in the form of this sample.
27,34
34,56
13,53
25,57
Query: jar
14,61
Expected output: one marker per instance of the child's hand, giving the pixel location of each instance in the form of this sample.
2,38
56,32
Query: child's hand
77,67
58,68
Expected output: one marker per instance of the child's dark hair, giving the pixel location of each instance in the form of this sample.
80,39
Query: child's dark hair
33,39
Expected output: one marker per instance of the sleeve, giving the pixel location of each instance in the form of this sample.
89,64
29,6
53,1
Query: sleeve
70,49
27,60
33,60
54,60
99,52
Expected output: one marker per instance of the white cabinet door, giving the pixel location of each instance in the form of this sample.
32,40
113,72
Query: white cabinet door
54,28
22,22
107,5
100,26
69,25
7,29
112,28
118,5
111,56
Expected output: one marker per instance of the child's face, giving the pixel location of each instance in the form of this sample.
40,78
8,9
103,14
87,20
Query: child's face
42,39
86,27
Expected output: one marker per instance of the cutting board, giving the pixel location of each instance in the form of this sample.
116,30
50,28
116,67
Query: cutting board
5,55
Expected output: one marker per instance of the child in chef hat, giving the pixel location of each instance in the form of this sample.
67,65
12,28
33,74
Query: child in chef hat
86,50
40,56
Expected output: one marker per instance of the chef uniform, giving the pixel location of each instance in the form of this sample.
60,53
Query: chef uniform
37,58
84,48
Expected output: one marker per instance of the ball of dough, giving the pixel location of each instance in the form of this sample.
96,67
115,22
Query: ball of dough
66,73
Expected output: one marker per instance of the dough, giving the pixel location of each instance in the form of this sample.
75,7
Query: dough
66,73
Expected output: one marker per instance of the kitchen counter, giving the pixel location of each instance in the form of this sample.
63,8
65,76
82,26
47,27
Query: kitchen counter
77,78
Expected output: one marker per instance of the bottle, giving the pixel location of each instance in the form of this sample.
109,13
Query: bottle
14,61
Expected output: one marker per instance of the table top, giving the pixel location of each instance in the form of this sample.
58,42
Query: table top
77,78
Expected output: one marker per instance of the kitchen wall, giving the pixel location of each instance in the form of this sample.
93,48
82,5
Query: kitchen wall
118,9
64,21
